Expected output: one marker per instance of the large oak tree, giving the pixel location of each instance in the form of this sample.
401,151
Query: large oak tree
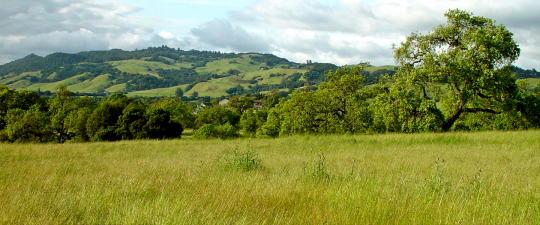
472,55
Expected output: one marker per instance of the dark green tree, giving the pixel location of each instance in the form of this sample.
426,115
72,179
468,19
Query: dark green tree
60,107
132,121
102,123
159,125
180,112
179,92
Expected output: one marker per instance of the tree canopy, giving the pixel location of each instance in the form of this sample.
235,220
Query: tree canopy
471,54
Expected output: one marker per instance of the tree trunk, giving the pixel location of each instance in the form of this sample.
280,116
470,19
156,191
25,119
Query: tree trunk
450,121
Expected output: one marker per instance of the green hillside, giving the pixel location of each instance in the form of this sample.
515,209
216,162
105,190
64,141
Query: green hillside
155,72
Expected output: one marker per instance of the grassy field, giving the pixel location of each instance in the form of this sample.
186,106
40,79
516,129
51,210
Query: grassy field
140,66
467,178
222,66
52,87
375,68
168,92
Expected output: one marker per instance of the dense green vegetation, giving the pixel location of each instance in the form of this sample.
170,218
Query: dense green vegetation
457,78
445,178
27,117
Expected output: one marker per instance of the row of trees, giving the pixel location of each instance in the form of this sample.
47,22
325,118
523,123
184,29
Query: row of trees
25,116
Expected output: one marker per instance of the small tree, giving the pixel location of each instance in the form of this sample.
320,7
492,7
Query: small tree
179,92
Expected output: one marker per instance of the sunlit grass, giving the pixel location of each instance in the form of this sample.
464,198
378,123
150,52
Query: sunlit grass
468,178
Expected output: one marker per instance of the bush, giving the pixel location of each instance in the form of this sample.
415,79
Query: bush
209,131
226,131
206,131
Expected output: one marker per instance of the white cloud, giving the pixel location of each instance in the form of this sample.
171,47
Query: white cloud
56,41
166,35
347,32
222,34
352,30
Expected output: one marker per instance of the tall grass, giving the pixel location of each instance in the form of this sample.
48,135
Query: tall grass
469,178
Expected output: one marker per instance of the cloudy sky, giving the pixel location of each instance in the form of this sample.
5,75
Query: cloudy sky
336,31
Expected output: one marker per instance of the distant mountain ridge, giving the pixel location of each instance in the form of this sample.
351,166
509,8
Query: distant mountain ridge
160,71
154,68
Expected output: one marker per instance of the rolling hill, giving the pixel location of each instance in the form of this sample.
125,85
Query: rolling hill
160,71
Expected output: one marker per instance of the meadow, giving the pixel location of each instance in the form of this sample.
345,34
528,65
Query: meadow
430,178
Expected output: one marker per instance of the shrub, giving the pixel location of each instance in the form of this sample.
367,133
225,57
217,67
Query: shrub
244,161
206,131
209,131
226,131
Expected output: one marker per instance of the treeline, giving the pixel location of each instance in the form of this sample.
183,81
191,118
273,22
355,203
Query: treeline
344,104
523,73
27,117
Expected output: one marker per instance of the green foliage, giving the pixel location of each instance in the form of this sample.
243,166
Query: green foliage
398,107
179,111
271,99
528,106
160,125
102,123
241,103
244,161
60,107
206,131
473,56
272,126
252,120
210,131
226,131
179,92
338,106
216,115
76,122
132,121
523,73
27,126
22,99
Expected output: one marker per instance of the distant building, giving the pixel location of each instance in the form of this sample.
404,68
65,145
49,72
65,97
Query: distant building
224,102
258,104
199,107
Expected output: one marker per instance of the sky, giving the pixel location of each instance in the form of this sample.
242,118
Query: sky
335,31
